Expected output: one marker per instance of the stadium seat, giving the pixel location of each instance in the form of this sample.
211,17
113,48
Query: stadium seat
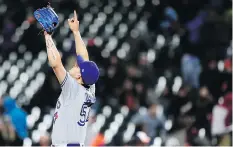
6,65
128,132
157,141
27,142
114,126
108,135
119,118
107,111
47,120
125,111
36,136
2,73
30,121
12,57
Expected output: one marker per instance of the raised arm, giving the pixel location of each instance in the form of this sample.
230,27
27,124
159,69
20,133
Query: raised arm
54,58
80,46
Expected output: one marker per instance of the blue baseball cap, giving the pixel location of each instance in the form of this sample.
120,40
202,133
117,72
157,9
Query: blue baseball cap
89,71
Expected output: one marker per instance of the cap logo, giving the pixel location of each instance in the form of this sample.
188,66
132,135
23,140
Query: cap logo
82,70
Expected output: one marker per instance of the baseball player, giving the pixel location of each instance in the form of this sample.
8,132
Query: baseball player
78,91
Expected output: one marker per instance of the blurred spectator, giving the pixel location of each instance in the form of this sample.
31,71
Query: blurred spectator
228,65
178,100
140,93
204,105
194,27
170,23
195,139
191,70
152,122
7,133
98,140
7,32
215,30
140,139
17,117
172,141
222,118
211,78
127,97
114,76
45,140
227,76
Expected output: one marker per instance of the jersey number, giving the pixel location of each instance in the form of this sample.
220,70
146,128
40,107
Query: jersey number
84,114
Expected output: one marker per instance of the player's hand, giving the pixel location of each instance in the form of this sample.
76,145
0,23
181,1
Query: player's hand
45,33
74,23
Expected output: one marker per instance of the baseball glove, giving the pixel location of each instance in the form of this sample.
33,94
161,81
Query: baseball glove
48,18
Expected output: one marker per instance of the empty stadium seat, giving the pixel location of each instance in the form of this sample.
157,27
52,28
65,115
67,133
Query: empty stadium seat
27,142
107,111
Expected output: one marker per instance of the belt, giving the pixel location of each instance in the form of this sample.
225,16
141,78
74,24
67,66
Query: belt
73,144
68,145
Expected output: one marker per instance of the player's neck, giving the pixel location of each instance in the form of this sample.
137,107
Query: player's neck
79,80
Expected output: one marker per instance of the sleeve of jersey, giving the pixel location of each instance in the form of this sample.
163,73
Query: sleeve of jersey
64,83
67,86
92,90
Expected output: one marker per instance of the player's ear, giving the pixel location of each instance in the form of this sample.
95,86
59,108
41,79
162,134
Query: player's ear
79,76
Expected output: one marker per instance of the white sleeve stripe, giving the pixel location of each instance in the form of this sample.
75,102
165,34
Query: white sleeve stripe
64,81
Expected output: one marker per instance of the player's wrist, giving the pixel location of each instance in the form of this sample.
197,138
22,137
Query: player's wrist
76,32
47,34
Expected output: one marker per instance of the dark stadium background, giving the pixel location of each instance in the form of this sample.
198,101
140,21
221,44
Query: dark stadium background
169,56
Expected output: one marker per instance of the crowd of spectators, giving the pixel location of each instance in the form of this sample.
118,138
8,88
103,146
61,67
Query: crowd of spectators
203,60
13,123
184,40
